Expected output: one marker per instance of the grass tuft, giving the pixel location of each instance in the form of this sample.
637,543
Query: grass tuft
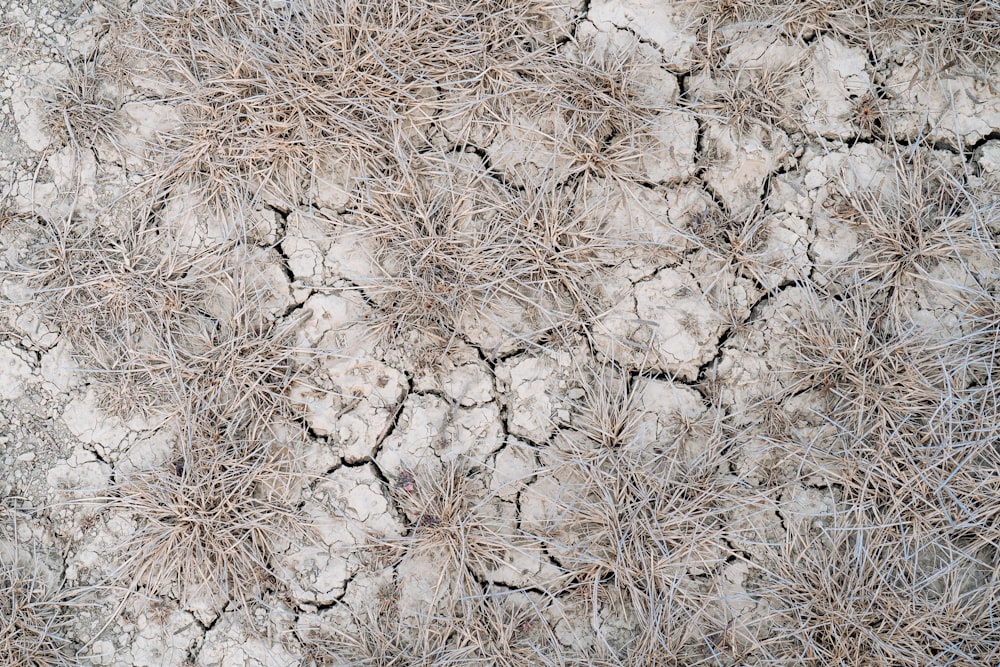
865,596
942,35
454,523
83,109
461,249
745,99
918,219
640,526
36,613
273,93
210,521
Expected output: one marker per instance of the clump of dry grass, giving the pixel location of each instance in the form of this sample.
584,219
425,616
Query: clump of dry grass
373,640
116,296
882,595
458,246
894,353
920,217
848,351
83,109
734,245
31,621
645,537
887,391
453,522
35,613
943,35
605,99
210,521
113,291
507,54
272,93
799,19
164,331
503,629
640,525
455,526
744,98
244,366
507,630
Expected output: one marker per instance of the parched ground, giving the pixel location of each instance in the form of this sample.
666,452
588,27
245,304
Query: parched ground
450,332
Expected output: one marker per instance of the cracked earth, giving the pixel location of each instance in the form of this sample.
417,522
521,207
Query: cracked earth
617,350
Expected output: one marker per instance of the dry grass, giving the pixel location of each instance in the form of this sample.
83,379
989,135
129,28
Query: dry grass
272,94
118,297
507,630
193,339
163,331
908,395
35,612
900,353
455,524
31,620
732,245
852,355
894,397
942,35
648,542
83,109
242,367
72,273
112,291
945,34
641,526
895,348
605,99
876,595
210,521
459,247
372,640
745,99
920,217
271,113
501,629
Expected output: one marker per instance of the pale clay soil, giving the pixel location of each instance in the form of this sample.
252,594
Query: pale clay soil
719,392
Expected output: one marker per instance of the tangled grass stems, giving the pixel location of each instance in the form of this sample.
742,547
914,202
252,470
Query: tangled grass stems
113,290
745,99
910,413
172,326
83,109
371,640
640,526
858,594
210,522
503,628
921,217
458,246
263,112
36,611
941,35
455,523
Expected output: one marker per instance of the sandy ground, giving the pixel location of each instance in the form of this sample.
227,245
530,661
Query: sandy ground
603,332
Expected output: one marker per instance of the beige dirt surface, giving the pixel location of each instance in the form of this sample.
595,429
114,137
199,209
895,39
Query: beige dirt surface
499,332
